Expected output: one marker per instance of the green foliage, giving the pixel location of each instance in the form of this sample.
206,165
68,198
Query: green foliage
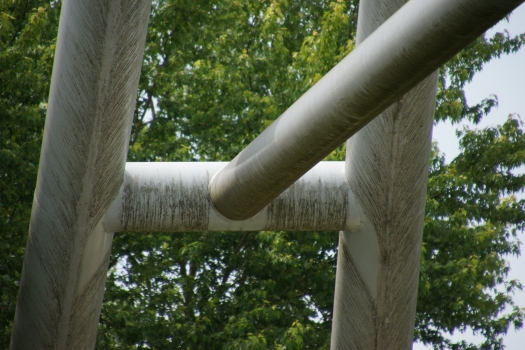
220,290
215,74
472,220
451,101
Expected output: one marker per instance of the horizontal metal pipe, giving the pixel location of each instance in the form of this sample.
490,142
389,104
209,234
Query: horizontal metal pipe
413,43
171,197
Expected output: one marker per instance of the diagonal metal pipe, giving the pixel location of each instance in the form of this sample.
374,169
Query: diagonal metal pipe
413,43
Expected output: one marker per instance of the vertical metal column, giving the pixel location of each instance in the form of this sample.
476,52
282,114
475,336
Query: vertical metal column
93,90
387,166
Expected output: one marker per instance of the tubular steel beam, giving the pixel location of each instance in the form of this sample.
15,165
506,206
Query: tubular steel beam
387,167
170,197
91,103
412,44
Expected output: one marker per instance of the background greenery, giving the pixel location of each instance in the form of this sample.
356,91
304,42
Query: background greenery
215,74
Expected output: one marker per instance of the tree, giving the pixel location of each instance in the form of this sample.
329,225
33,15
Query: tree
215,74
472,214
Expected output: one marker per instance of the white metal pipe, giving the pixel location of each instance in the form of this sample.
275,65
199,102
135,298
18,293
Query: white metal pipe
413,43
93,91
171,197
386,164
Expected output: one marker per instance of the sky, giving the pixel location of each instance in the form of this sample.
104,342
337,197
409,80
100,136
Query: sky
504,77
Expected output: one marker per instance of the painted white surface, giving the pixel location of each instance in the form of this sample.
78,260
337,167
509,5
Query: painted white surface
504,77
164,197
93,92
387,166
